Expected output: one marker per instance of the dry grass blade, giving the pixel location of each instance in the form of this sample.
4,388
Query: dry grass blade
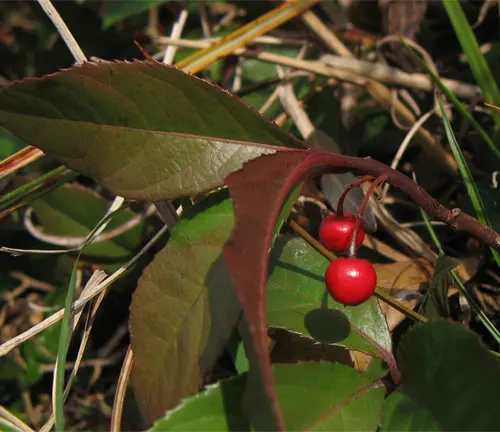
10,420
176,33
396,76
405,143
63,30
19,160
245,34
264,40
404,236
95,279
383,96
384,249
78,305
345,68
76,242
121,390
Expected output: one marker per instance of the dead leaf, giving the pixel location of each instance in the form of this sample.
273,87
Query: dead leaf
402,280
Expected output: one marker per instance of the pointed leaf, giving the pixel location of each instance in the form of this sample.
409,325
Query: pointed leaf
297,300
447,371
184,310
314,396
143,130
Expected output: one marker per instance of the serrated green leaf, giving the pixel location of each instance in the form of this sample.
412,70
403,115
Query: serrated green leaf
401,413
297,300
184,309
447,371
312,396
144,130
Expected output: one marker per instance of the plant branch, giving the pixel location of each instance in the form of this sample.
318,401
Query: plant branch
319,162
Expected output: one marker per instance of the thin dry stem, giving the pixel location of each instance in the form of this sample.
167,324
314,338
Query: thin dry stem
63,31
13,420
8,346
19,160
383,96
404,145
396,76
81,350
77,242
176,33
121,390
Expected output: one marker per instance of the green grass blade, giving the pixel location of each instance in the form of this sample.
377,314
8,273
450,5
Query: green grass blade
29,192
474,305
477,202
66,328
477,62
458,105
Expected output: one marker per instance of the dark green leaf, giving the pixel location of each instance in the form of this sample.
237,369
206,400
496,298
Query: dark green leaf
9,144
144,130
184,310
297,300
31,358
435,302
401,413
312,396
74,211
114,11
447,371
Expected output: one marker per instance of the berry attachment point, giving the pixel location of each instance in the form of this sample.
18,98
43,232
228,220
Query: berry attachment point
336,231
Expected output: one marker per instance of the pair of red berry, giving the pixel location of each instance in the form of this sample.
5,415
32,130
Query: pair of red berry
350,281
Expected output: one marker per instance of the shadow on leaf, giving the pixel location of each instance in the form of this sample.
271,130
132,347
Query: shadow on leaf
327,325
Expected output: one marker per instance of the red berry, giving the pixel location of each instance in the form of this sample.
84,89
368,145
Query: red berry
335,232
351,281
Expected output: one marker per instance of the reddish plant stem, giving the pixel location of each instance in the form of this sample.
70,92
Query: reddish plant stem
321,162
359,218
352,246
375,185
340,204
